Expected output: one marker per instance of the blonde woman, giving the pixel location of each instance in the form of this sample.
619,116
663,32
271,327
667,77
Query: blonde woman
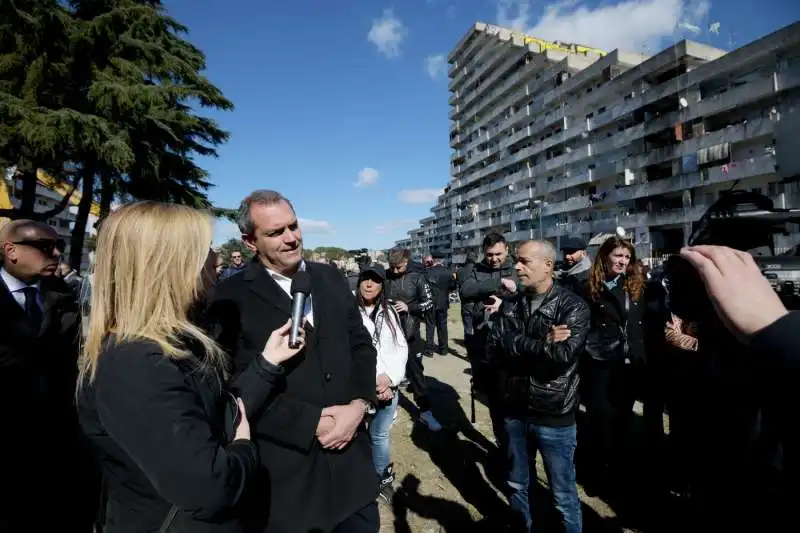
174,447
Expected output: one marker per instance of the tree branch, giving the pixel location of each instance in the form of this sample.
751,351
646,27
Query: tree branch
62,205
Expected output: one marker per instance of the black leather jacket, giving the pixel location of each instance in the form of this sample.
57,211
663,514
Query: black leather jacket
412,289
539,379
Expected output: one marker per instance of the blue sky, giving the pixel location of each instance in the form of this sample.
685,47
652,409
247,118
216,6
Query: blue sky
341,105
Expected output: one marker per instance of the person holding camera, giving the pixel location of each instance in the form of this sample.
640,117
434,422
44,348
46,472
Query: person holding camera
751,310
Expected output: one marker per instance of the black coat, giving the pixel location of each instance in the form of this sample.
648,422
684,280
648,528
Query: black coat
441,281
46,458
158,427
539,379
482,282
608,316
306,488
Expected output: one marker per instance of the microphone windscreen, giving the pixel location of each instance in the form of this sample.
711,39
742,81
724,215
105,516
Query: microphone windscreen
301,282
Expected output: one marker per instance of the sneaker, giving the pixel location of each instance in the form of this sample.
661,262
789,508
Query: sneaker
386,490
430,421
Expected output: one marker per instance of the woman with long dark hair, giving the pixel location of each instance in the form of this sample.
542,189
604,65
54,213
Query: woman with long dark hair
383,323
614,347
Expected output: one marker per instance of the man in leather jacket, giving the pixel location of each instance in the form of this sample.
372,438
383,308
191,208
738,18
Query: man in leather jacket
534,342
410,295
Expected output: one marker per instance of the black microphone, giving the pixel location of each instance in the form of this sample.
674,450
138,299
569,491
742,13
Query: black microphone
301,288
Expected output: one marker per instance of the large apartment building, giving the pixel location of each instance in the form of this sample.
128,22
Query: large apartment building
555,139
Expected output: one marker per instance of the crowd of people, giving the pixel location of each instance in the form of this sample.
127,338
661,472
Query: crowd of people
173,399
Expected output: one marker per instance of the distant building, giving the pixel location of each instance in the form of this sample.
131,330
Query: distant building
554,139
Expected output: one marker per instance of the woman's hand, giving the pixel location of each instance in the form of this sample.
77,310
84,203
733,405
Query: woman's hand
386,395
277,349
243,429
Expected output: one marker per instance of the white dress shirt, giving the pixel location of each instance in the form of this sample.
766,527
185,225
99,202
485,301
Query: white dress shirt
286,284
17,288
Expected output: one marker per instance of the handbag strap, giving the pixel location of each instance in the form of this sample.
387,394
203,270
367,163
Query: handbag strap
169,519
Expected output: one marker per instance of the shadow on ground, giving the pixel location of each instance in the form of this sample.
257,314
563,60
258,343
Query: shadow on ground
471,463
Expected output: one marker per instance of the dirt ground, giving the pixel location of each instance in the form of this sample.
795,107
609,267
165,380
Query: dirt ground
451,481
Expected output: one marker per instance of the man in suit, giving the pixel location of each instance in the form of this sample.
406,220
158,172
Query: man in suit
312,438
46,460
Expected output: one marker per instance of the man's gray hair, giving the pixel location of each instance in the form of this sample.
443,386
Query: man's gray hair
545,249
259,197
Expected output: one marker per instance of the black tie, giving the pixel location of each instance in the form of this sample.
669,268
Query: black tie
32,308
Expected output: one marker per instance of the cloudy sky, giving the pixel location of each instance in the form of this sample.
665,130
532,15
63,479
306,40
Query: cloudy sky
342,105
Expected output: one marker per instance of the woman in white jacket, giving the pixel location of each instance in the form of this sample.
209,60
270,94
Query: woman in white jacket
383,323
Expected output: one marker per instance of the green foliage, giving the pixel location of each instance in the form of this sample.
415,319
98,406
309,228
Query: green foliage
332,252
104,92
234,245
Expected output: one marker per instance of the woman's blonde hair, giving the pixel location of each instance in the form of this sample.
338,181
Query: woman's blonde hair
147,275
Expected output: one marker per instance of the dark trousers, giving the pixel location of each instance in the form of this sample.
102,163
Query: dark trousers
415,373
436,320
366,520
485,380
610,389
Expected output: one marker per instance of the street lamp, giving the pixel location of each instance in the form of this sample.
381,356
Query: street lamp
539,205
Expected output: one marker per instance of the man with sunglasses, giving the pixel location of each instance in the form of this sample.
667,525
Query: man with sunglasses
39,332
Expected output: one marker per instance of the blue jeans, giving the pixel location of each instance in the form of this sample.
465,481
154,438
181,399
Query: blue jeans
379,430
557,445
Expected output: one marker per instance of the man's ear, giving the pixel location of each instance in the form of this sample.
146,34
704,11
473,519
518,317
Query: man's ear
250,243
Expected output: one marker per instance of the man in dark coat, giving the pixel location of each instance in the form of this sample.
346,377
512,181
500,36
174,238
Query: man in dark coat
46,459
577,264
318,474
441,282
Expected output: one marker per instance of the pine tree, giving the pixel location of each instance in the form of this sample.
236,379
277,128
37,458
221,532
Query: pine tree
143,77
37,129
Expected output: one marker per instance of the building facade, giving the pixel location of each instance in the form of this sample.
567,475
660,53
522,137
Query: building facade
555,139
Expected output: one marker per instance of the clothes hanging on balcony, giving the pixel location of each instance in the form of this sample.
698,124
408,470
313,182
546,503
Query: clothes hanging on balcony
713,153
678,131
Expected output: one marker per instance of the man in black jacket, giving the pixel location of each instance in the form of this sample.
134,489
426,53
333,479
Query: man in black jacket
577,264
441,282
46,459
481,290
535,342
314,446
410,295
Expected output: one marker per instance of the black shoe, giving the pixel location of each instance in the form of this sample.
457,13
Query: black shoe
386,491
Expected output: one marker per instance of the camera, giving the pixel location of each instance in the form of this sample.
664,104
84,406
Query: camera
745,221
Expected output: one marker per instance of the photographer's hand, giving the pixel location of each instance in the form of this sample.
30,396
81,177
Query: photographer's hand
742,296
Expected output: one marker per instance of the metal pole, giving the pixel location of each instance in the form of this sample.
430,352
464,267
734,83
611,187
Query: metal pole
541,229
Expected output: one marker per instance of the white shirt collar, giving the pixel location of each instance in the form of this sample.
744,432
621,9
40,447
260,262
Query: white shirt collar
280,277
13,284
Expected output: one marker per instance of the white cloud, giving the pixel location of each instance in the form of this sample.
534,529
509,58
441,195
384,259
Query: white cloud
419,196
627,25
392,225
308,225
367,176
387,34
435,65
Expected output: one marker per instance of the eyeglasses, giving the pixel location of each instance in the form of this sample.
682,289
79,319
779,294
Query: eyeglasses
46,246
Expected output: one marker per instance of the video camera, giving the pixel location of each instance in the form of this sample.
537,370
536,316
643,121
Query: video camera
744,221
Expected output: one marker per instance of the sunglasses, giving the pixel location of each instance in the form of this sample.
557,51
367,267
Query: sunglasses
46,246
